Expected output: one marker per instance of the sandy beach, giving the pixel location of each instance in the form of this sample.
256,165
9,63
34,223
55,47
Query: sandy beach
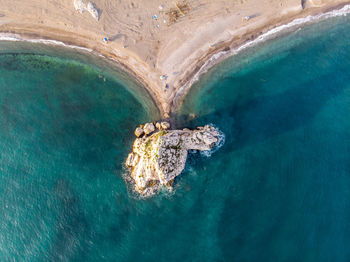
165,57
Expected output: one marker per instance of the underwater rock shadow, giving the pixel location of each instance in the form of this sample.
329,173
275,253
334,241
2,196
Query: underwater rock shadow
72,232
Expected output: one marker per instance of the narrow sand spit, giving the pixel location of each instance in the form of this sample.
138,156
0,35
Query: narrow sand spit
166,58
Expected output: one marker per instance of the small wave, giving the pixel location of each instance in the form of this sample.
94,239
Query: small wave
15,38
220,56
218,145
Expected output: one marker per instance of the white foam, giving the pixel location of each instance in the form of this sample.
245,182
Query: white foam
10,37
218,145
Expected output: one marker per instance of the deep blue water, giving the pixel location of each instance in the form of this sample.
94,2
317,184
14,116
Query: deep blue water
278,189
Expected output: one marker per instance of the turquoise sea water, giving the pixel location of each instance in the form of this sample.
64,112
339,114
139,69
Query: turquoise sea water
277,190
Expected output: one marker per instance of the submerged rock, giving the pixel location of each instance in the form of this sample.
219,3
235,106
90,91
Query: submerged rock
156,160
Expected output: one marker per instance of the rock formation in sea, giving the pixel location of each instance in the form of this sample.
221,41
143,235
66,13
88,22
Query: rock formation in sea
158,156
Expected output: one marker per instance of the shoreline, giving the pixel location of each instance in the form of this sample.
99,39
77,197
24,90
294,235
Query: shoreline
230,49
169,101
18,37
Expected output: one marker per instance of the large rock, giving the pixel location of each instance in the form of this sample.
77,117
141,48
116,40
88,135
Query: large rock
93,10
165,125
156,160
132,159
148,128
139,132
79,6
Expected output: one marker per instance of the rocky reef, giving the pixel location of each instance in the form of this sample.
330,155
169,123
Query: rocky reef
159,154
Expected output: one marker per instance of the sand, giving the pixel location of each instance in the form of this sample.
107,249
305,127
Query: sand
151,48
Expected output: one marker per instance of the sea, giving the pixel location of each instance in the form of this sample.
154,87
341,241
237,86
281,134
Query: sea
277,189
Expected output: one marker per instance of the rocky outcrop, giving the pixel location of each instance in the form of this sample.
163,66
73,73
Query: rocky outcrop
157,159
80,6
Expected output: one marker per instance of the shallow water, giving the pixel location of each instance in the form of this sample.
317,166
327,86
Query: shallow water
277,190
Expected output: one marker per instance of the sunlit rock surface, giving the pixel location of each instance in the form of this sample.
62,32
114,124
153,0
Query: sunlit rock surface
157,159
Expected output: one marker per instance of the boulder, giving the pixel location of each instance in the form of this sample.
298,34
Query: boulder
148,128
139,132
165,125
79,6
93,10
158,126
